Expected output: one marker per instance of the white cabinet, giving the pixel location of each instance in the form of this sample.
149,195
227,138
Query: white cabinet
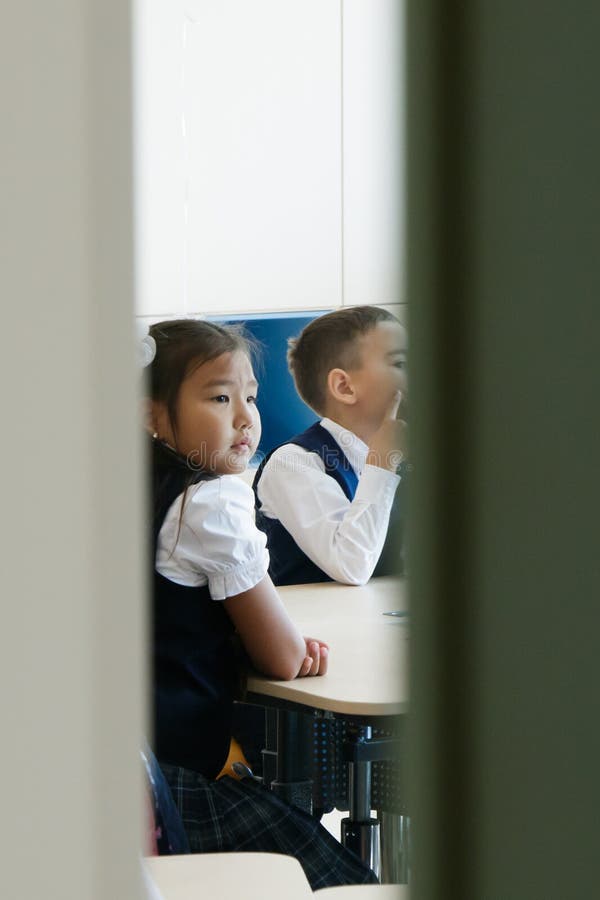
267,155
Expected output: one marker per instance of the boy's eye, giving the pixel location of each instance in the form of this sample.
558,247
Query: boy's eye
400,363
221,398
251,399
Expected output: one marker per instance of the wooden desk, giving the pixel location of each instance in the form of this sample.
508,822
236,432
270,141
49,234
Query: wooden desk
223,876
367,680
250,876
368,664
365,892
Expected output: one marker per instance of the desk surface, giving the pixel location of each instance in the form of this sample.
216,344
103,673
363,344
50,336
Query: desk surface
221,876
251,876
368,664
364,892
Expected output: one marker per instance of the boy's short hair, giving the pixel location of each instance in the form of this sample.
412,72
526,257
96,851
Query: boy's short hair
327,343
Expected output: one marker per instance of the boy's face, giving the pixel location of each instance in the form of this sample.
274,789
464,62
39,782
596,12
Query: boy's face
381,373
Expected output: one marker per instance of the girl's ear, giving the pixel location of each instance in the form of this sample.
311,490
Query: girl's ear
153,416
340,387
147,415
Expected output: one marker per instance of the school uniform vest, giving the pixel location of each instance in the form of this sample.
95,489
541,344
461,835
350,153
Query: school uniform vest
391,560
194,663
289,564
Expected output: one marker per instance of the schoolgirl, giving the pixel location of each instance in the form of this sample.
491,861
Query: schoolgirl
211,589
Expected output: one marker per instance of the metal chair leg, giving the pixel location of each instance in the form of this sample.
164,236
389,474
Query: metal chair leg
360,832
395,848
293,782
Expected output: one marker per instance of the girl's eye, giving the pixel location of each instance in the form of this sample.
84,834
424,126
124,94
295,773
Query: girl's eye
251,399
221,398
400,363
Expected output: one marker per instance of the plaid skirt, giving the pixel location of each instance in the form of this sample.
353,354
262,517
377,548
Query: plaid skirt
230,815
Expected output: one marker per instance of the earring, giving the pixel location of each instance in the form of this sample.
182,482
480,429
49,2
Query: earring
155,436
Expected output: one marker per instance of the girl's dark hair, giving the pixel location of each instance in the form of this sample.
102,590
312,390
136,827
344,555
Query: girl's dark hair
181,346
184,344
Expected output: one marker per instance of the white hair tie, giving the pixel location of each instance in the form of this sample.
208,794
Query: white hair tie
146,345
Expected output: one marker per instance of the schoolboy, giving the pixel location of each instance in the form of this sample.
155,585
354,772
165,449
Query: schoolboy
324,498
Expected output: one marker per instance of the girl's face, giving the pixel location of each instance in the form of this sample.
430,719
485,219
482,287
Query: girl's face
218,424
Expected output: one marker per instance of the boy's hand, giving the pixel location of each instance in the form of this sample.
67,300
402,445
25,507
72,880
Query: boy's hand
388,446
315,661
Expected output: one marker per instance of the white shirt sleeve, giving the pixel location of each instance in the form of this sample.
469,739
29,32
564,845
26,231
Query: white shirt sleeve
343,538
216,542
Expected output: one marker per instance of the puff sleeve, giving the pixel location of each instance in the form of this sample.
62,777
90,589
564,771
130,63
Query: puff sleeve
215,540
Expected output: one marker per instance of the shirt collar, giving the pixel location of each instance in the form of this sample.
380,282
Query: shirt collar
354,449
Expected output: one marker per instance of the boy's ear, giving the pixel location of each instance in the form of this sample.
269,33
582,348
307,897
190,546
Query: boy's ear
340,387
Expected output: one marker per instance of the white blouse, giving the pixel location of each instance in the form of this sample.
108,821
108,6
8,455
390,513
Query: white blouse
215,541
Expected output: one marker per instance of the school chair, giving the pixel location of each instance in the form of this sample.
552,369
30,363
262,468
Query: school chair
165,832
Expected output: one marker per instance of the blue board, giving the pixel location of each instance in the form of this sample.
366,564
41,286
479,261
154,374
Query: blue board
282,411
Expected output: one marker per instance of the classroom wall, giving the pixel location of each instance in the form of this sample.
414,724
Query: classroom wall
269,155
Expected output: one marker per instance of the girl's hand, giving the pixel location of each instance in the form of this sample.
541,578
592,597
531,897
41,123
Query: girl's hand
317,656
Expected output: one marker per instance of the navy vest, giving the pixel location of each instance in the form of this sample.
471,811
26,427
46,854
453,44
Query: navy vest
289,564
391,560
195,670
